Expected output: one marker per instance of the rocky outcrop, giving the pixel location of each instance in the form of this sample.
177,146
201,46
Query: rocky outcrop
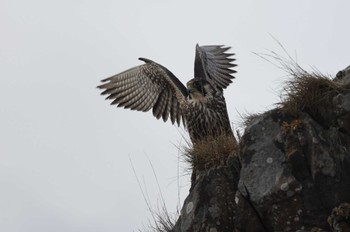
211,204
292,172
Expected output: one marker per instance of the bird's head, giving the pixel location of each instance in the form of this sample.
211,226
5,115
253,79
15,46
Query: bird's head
199,89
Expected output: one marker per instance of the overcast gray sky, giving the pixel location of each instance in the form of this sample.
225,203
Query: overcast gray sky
64,151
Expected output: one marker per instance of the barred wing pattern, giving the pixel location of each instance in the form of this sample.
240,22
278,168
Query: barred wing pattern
214,64
145,87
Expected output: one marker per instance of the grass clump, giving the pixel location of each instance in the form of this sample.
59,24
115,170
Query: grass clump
309,92
248,118
163,221
210,152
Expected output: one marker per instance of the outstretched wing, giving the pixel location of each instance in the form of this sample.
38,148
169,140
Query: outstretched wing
214,64
145,87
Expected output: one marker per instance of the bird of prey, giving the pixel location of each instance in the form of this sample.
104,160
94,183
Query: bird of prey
201,107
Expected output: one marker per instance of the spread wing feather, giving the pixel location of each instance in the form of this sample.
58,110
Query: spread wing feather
214,64
145,87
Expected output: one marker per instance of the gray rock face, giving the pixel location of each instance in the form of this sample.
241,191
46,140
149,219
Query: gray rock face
211,205
343,76
293,174
295,179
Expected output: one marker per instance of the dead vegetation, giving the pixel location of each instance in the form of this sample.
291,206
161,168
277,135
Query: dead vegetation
248,118
210,152
309,92
163,221
304,91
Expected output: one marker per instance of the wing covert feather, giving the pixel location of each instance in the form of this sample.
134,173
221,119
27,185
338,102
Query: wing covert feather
145,87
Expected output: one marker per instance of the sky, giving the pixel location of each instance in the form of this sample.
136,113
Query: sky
71,162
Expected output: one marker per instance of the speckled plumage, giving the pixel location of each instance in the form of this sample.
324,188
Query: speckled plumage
210,119
201,106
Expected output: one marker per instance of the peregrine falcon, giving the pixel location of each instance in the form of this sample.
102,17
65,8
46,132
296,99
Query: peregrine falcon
201,107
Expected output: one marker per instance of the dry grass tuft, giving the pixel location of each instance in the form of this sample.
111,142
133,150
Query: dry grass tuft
309,92
165,223
162,221
249,118
305,91
210,152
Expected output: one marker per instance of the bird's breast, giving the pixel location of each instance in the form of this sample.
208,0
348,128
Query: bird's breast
206,119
